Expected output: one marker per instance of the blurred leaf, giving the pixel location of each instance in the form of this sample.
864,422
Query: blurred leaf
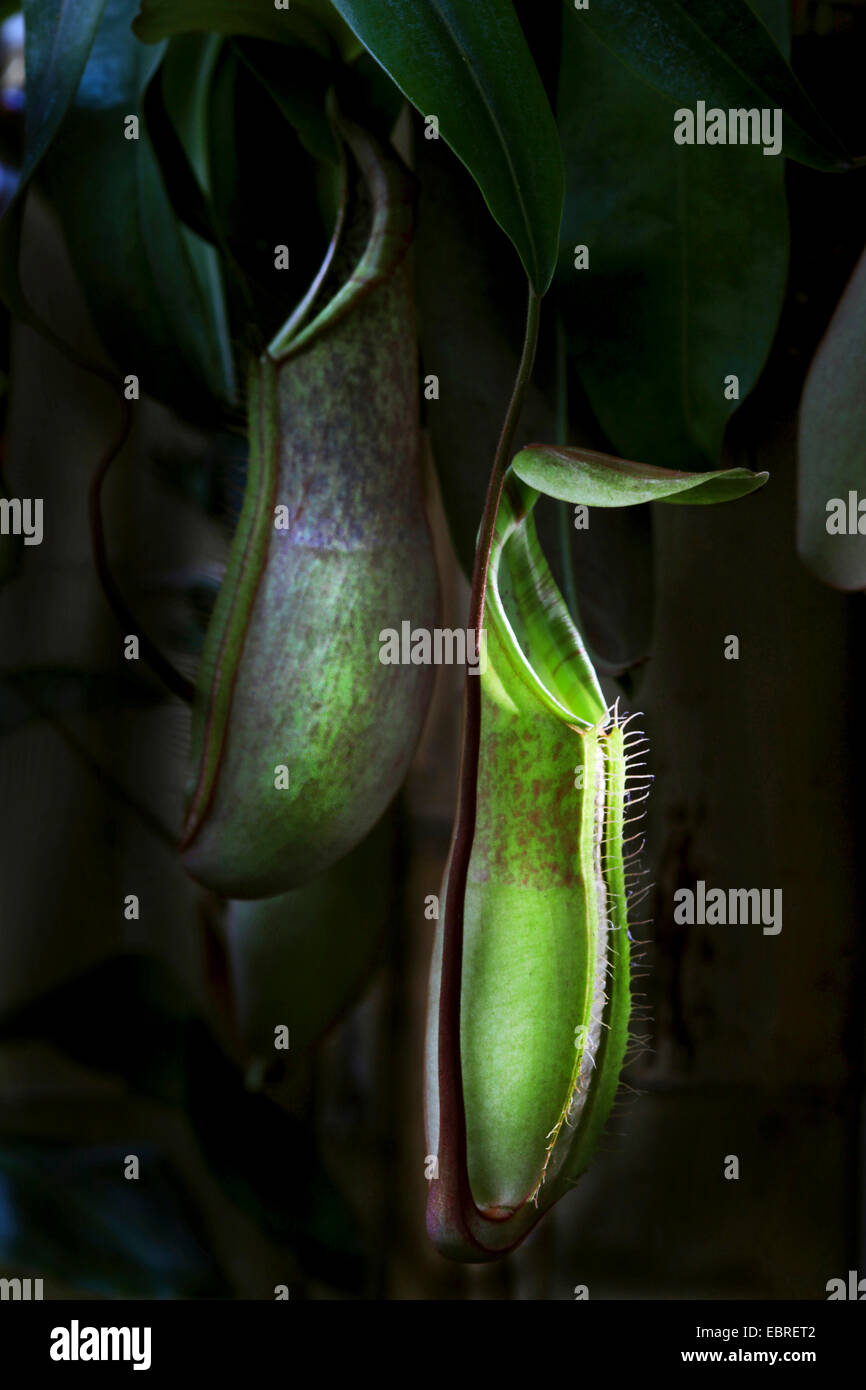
152,286
310,22
467,63
180,149
303,958
584,477
127,1017
832,443
124,1016
687,261
268,1163
63,690
720,53
187,72
69,1213
58,36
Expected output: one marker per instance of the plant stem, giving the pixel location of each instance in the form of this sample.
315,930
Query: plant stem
500,465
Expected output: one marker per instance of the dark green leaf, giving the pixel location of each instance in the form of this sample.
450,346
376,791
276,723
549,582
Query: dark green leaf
181,155
57,39
467,63
687,261
831,461
153,287
589,479
58,36
723,53
309,22
187,73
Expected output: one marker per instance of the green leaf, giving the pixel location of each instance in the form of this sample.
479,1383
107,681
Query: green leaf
173,110
311,22
276,949
154,288
687,261
58,36
591,479
830,456
726,53
467,63
187,73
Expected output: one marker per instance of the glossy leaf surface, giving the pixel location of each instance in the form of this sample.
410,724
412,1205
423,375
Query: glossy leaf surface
729,54
687,249
466,62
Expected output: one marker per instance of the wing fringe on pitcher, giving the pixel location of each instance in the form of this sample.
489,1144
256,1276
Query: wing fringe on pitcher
609,843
